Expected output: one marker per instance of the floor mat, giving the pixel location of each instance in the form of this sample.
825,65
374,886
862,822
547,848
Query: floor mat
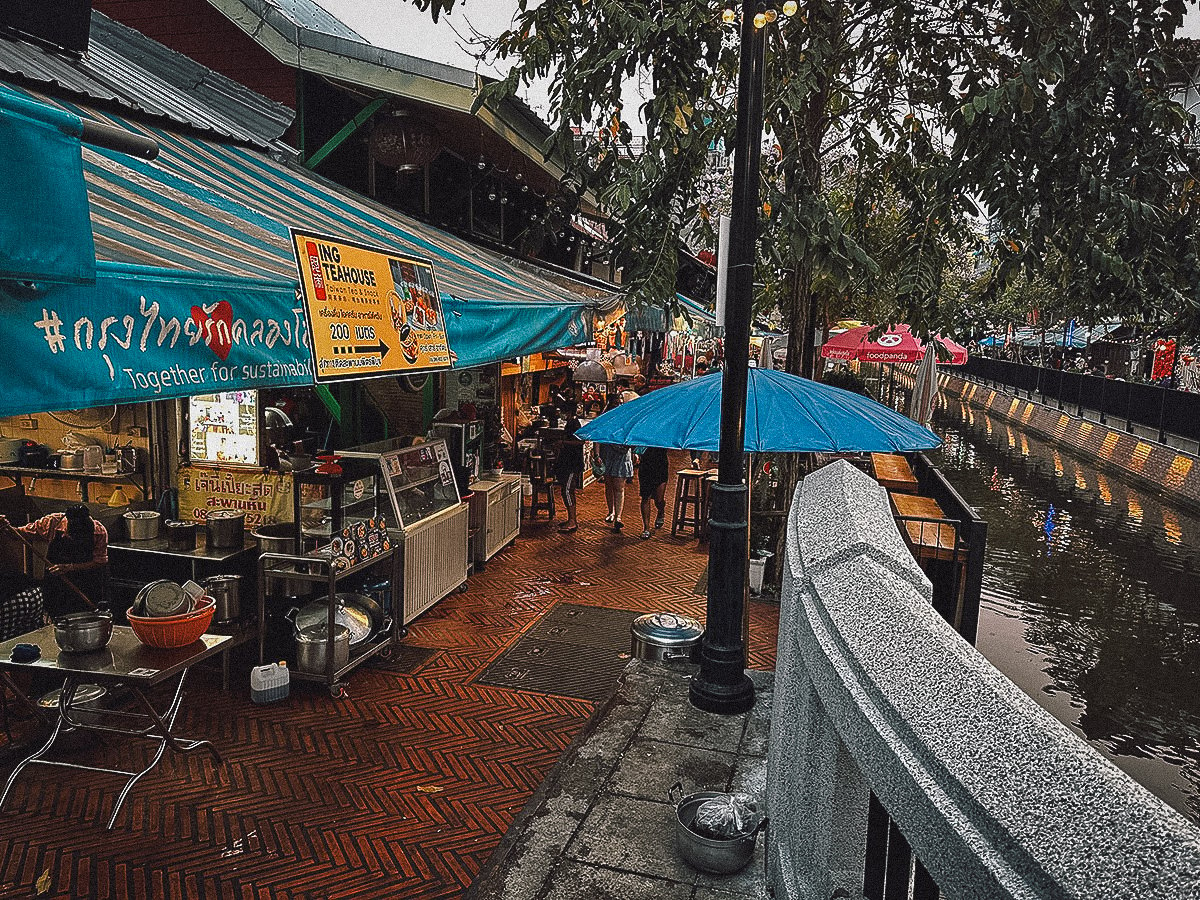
572,651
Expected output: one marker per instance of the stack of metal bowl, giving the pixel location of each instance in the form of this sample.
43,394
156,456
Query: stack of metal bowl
160,599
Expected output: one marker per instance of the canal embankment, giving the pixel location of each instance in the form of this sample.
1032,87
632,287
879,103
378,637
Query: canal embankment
1157,467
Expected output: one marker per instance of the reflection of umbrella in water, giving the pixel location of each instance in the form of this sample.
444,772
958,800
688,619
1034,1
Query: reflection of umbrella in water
784,414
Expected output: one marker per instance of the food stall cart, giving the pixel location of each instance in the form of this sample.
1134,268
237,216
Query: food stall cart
380,535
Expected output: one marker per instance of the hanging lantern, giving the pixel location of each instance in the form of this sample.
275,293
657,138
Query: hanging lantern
403,142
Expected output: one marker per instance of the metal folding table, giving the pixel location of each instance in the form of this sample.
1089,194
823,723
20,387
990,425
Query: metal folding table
128,663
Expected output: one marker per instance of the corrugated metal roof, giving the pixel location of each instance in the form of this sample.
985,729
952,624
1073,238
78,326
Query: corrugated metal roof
124,67
315,17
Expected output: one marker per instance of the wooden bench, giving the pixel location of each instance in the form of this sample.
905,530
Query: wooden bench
929,532
894,472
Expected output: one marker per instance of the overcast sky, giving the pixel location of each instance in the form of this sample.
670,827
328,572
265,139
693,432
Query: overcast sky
400,26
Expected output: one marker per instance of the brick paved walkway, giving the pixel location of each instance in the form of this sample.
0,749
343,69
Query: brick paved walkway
401,790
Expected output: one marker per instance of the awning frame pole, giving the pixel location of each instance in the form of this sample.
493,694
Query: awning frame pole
344,132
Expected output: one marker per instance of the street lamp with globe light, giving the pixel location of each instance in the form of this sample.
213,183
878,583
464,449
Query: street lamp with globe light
721,685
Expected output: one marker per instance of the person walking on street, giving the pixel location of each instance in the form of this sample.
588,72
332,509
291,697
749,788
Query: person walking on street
616,461
653,474
568,466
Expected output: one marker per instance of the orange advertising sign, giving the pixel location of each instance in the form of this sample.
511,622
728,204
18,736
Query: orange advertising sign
370,312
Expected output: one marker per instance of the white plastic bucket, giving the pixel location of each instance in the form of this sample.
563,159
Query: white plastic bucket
757,568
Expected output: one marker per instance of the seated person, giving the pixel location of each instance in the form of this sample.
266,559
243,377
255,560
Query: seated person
20,606
77,551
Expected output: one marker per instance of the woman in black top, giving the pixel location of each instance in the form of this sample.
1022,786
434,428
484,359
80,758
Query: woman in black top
568,467
652,482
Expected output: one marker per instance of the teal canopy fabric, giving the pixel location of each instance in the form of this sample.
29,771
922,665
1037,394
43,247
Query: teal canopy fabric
141,333
482,331
45,234
206,206
204,212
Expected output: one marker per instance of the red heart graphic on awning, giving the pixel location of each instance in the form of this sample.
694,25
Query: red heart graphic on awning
216,325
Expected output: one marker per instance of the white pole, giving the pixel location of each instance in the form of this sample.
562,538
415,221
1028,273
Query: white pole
722,267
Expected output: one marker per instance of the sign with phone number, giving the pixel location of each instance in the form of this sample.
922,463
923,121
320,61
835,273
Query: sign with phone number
370,312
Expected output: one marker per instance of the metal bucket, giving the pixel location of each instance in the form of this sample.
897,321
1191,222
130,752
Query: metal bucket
142,525
718,857
663,636
281,538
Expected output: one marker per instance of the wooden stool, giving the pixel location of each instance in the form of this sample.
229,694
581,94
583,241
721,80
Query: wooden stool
688,500
542,500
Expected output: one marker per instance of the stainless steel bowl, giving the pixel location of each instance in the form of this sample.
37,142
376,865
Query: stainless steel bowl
83,632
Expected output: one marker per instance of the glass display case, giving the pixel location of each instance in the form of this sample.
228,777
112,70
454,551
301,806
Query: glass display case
418,481
422,503
326,503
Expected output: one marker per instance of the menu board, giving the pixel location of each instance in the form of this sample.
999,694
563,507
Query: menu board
223,428
370,312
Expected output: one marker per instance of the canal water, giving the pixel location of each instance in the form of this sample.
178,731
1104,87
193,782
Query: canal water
1091,602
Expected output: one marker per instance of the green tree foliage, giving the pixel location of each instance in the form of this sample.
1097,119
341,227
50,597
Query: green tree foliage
892,127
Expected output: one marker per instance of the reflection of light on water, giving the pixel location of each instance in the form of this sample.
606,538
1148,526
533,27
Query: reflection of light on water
1135,509
1079,609
988,422
1172,527
1058,464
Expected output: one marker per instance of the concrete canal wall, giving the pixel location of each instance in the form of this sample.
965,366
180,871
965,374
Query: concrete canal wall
876,694
1164,470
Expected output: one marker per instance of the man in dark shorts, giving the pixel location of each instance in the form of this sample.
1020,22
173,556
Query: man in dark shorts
652,483
568,466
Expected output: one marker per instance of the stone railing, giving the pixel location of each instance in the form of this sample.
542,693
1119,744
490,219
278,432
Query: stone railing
875,693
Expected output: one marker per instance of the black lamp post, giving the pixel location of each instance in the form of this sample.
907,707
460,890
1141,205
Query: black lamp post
722,686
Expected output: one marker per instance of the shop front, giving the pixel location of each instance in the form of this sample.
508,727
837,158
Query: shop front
190,362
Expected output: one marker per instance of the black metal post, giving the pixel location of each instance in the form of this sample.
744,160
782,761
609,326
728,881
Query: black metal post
721,685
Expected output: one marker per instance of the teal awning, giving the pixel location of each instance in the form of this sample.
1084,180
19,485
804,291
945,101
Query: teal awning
141,333
206,210
44,230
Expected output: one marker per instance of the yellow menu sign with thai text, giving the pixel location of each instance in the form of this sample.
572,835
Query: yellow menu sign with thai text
370,312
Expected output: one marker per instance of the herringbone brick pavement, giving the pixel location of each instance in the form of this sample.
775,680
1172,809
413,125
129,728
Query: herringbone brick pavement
402,790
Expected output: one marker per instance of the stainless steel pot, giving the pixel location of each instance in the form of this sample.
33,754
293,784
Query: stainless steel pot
142,524
225,529
85,704
719,857
181,536
224,589
83,632
312,644
664,636
70,460
279,538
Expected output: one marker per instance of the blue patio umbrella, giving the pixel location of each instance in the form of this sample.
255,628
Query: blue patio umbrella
784,414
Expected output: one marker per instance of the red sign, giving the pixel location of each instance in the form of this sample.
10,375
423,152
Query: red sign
1164,360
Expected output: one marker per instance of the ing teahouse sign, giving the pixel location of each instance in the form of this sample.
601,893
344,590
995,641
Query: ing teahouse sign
370,312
